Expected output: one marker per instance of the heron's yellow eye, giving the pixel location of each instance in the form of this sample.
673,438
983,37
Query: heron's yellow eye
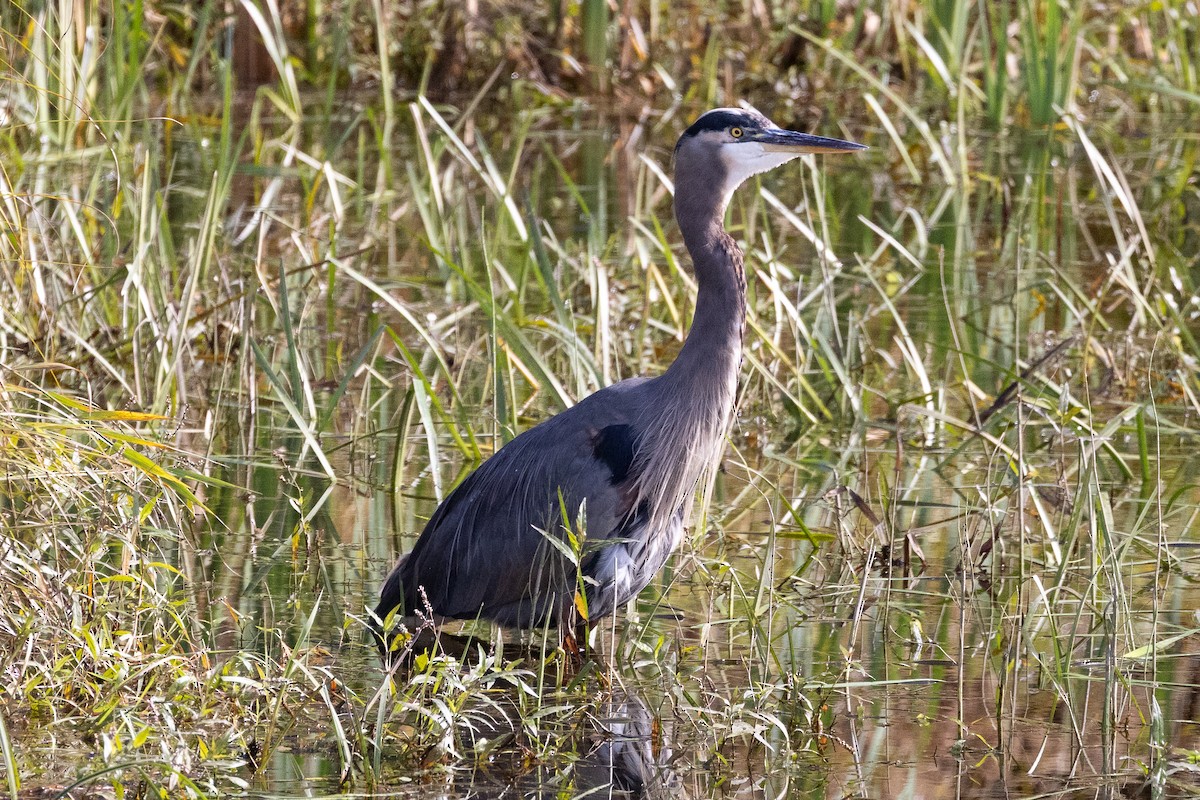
735,133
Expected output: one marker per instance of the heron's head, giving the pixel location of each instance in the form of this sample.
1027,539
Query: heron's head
728,145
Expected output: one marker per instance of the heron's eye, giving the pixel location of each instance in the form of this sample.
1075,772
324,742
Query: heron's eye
735,133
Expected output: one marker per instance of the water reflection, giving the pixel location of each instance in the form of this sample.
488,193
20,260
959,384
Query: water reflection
615,749
988,738
629,752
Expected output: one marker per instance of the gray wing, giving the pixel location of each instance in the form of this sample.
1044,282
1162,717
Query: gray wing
484,552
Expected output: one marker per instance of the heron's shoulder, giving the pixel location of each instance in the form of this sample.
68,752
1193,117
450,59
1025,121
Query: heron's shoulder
573,432
614,404
626,386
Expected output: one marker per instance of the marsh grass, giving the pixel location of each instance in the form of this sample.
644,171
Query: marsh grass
249,337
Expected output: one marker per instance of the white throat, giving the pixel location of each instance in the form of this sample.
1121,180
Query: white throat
744,160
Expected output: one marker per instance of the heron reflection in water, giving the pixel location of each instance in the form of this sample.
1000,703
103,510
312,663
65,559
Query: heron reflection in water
615,745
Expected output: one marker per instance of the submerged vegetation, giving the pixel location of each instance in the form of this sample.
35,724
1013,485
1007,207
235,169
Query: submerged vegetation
271,282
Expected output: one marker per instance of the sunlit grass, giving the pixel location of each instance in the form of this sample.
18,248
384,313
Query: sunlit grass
248,337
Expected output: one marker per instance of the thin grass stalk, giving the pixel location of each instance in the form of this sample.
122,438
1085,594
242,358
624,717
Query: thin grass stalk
274,42
12,776
595,27
283,394
993,37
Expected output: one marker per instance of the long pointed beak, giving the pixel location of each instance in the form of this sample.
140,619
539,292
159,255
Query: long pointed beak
785,141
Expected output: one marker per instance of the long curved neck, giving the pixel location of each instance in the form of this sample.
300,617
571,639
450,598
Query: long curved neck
714,343
687,419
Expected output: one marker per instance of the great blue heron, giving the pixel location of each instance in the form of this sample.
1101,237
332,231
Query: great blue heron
629,455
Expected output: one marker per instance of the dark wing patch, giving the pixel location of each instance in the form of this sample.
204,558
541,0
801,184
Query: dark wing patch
615,446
